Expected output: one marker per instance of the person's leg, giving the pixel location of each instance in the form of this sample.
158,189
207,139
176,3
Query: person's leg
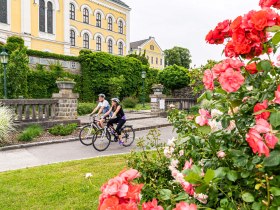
111,122
121,122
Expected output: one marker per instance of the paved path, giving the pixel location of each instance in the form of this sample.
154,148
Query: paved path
47,154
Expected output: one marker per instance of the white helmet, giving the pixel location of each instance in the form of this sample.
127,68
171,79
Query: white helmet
116,100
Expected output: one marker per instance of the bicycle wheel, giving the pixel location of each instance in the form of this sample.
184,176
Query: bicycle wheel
128,135
101,140
86,134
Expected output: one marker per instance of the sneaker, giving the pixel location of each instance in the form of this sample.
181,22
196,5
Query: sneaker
120,142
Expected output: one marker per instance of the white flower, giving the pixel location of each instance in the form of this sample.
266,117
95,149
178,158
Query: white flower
231,125
221,154
181,153
174,163
216,113
201,197
249,88
215,126
88,175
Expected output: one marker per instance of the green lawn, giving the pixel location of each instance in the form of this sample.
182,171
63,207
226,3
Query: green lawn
58,186
140,107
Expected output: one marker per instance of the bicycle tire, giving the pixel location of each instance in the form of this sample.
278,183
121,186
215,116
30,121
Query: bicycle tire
128,134
100,139
85,136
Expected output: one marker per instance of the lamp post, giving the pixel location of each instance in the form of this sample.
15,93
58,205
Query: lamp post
143,75
4,57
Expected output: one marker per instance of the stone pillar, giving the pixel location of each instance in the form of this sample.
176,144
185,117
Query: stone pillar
157,100
67,100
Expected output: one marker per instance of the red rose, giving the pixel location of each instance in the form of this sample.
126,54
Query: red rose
259,107
252,68
259,19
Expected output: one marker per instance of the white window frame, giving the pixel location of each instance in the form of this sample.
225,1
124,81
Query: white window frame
7,26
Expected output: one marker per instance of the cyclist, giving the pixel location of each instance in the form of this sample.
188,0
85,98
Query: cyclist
102,108
117,118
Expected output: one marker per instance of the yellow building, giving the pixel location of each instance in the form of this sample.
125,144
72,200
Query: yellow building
67,26
153,52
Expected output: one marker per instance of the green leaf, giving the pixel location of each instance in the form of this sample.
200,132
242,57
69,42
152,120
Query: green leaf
275,119
273,29
245,174
275,191
193,178
276,38
220,172
203,96
204,129
273,159
232,175
256,206
264,65
182,196
201,189
165,194
209,176
248,197
224,202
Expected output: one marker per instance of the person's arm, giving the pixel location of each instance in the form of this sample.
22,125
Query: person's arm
100,110
95,110
107,113
116,112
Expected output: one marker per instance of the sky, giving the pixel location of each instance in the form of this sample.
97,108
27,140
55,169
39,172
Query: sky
184,23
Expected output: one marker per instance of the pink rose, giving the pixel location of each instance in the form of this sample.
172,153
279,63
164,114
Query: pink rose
203,118
208,80
259,107
262,148
114,186
129,175
277,95
262,126
152,205
188,164
231,80
221,154
252,137
185,206
188,187
271,140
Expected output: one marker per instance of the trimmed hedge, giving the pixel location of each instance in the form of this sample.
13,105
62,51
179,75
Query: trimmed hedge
41,54
63,130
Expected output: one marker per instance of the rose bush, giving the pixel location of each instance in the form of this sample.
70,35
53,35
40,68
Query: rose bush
228,155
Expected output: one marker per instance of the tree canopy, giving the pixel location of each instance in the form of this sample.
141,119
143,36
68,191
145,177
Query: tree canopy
179,56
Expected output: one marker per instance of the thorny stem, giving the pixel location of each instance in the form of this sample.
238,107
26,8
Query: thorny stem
268,193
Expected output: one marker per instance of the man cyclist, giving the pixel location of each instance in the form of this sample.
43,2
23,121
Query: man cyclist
102,107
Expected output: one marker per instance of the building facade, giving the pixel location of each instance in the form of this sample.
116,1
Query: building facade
152,50
67,26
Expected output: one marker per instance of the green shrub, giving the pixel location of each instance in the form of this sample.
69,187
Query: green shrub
194,109
129,102
14,43
63,130
85,108
30,133
41,54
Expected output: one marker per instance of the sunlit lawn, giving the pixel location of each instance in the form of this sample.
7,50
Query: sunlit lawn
58,186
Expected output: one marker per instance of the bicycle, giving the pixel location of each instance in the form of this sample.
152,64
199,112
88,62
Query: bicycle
86,133
102,137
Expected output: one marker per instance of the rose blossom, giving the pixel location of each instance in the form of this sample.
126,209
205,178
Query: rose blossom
203,118
255,141
262,126
269,3
201,197
181,153
208,80
188,164
277,95
271,140
231,80
185,206
152,205
252,68
221,154
259,107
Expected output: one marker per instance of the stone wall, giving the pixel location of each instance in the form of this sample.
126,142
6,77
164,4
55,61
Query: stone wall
184,93
73,67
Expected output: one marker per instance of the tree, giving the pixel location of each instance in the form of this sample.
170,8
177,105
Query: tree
174,77
140,57
179,56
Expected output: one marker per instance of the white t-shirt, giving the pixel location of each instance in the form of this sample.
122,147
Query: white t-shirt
106,106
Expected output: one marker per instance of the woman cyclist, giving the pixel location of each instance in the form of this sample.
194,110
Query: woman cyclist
118,117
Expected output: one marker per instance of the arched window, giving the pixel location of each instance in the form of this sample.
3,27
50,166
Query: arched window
98,43
86,40
42,20
152,47
120,47
110,24
86,15
50,17
110,46
120,27
72,11
152,60
72,38
4,11
98,20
